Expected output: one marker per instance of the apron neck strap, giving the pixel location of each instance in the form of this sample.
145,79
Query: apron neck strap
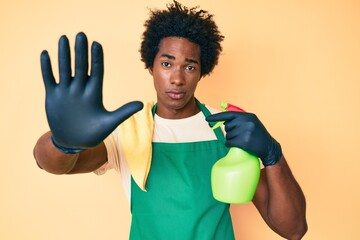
218,132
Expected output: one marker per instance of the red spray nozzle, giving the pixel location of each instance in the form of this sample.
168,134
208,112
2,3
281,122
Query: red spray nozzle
229,107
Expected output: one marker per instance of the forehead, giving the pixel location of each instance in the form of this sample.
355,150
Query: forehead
178,46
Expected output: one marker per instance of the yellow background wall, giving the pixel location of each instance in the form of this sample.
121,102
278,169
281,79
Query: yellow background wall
296,64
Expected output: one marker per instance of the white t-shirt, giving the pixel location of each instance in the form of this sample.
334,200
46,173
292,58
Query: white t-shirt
191,129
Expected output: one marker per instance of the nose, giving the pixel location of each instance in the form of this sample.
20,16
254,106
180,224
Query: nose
177,77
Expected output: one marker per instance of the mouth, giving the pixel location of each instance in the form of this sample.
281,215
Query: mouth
175,94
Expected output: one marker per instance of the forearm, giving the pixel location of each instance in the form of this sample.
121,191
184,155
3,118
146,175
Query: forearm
286,205
49,158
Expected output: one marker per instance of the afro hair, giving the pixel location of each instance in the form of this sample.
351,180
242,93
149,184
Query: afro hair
179,21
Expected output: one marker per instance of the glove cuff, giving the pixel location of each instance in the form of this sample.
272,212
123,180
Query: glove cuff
66,150
274,155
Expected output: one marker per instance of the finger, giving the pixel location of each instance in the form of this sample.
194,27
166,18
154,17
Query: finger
46,70
97,66
237,134
81,58
223,116
64,61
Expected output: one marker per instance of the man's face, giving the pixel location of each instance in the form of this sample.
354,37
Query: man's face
176,73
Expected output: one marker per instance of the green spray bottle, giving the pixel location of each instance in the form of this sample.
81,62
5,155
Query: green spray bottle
234,178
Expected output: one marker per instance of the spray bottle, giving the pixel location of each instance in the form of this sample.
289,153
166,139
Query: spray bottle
234,178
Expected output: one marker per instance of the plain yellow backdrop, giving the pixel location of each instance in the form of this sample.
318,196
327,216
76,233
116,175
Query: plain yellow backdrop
296,64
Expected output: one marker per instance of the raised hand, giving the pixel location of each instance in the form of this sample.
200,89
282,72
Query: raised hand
74,106
244,130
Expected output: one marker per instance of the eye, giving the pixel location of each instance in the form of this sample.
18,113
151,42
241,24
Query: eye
166,64
190,68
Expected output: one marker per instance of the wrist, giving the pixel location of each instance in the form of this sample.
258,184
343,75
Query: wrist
66,150
274,156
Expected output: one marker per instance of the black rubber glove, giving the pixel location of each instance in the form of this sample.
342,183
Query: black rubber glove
245,131
74,107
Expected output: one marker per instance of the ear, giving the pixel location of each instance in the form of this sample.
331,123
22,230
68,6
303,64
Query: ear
150,71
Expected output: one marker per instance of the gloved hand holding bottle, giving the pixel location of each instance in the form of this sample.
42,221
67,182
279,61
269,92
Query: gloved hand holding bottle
244,130
74,107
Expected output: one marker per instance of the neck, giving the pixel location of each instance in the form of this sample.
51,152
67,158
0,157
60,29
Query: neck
190,109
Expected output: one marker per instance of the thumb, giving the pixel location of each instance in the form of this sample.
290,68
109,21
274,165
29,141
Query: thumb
126,111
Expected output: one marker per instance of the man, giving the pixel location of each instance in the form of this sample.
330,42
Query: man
164,151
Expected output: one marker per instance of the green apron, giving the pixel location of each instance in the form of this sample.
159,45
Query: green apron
178,203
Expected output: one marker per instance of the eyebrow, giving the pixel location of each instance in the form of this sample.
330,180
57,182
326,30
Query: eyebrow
189,60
